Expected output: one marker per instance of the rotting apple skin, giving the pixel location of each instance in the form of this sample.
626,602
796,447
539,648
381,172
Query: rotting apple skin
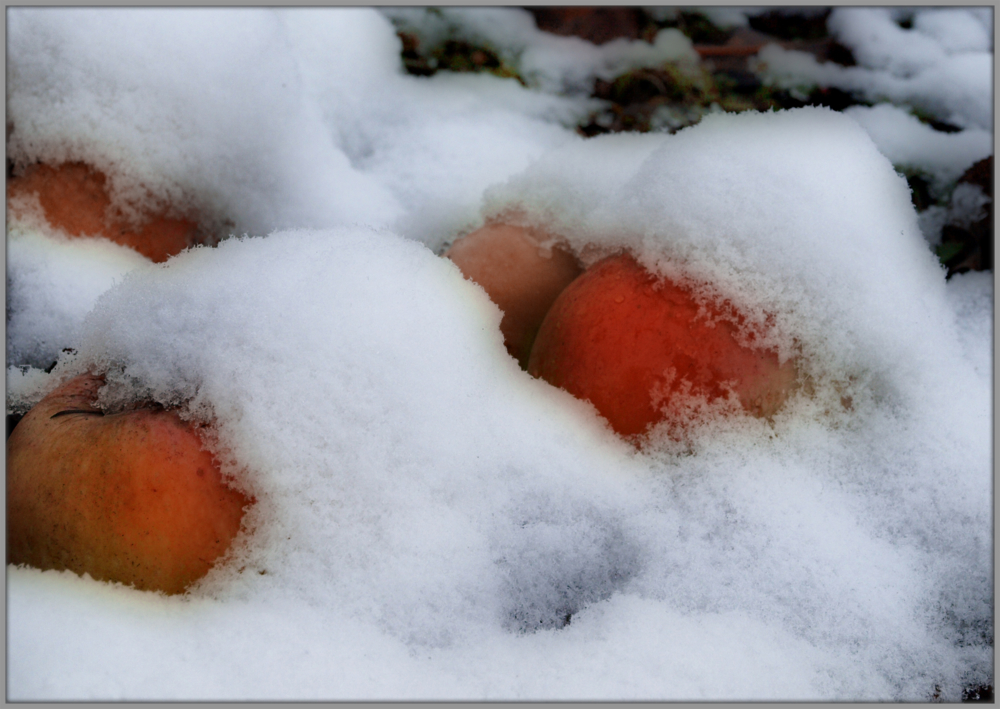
75,200
518,274
630,342
131,497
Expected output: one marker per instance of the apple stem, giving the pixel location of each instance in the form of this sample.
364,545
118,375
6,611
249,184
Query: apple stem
77,411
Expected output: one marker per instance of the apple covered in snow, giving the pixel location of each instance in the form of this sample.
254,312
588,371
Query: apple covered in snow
131,497
639,348
522,271
74,199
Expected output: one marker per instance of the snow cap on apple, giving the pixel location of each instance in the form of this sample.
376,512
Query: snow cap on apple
643,350
700,208
73,198
522,271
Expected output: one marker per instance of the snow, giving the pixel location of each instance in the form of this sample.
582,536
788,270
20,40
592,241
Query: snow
941,68
429,516
912,145
957,30
54,283
924,67
550,62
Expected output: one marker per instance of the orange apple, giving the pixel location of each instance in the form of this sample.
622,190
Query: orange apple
75,200
130,497
636,347
519,274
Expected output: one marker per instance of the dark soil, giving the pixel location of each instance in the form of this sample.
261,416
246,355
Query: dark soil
970,248
12,421
981,693
595,24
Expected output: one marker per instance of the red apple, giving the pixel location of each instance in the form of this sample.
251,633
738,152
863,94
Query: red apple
635,346
75,200
130,497
518,274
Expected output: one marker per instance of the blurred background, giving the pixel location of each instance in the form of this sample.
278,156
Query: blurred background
918,79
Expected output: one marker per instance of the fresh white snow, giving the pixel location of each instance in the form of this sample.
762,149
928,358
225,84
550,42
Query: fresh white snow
428,515
924,67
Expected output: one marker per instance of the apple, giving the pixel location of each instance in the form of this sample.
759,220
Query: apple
520,273
639,348
74,199
130,497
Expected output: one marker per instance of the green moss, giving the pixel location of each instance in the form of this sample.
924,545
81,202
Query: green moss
947,250
930,120
669,82
453,55
675,95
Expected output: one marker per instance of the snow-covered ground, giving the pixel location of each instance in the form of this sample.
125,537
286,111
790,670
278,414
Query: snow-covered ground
433,523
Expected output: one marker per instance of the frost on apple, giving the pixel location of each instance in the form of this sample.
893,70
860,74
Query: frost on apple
430,521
